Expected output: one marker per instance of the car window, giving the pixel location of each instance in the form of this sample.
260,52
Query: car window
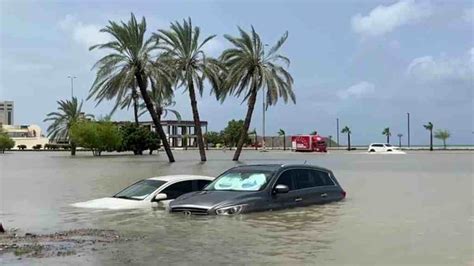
303,179
140,190
201,184
321,178
178,189
286,178
388,145
377,145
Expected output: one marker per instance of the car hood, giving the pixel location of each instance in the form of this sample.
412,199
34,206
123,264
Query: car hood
212,199
111,203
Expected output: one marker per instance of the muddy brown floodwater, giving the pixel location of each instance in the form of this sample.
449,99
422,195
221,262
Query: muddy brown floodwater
401,209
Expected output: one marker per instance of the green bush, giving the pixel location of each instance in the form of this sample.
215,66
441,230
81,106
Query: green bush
97,136
37,147
6,142
21,147
138,139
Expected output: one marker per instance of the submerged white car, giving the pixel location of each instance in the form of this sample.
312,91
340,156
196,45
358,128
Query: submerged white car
151,192
382,147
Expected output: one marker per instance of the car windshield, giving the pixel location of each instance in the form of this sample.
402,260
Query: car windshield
241,181
140,190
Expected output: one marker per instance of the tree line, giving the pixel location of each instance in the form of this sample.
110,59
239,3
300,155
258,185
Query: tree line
441,134
149,70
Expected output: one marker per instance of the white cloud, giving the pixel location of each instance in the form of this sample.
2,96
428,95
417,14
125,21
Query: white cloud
358,90
429,68
84,34
384,19
468,15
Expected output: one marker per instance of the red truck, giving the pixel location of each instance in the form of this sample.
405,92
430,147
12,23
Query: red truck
309,143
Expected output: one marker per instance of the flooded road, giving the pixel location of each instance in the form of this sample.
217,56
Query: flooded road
400,209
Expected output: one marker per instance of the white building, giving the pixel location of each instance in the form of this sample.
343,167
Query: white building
28,135
6,113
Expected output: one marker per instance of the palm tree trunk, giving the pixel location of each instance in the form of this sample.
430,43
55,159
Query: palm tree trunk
245,129
388,138
431,140
284,142
73,148
154,116
444,143
135,104
348,141
197,121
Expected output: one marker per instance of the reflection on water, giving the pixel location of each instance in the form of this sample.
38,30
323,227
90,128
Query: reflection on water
393,214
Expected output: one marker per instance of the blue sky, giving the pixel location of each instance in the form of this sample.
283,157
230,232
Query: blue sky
367,63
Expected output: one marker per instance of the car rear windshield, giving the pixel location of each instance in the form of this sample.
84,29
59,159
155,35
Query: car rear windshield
241,181
140,190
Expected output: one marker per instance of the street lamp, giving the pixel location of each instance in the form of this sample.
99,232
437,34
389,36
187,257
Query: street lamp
408,136
72,84
337,131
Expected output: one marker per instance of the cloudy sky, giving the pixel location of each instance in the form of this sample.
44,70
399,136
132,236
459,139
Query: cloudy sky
367,63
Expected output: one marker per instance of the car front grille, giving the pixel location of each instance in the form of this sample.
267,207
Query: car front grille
190,211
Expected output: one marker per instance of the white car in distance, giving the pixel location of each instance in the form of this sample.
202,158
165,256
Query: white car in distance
150,192
382,147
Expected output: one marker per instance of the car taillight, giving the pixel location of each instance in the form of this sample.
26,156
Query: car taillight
343,193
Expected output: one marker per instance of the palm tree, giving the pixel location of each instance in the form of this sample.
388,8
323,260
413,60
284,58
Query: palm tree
130,61
347,130
429,127
250,69
386,132
184,56
69,112
330,140
162,103
400,135
124,102
442,135
282,133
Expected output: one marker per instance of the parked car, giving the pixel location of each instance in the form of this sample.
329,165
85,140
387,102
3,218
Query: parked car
382,147
155,191
252,188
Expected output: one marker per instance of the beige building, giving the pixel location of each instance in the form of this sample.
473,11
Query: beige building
28,135
6,113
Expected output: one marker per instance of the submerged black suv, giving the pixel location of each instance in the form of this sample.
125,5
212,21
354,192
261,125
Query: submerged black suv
252,188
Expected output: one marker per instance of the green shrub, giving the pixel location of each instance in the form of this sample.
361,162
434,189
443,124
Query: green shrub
138,139
6,142
21,147
97,136
37,147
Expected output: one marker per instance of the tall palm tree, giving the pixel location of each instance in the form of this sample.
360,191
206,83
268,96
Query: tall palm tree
347,130
429,127
282,133
183,54
442,135
162,103
400,135
129,61
250,69
386,132
68,113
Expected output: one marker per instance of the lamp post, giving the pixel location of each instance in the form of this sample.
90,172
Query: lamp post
72,84
337,131
408,136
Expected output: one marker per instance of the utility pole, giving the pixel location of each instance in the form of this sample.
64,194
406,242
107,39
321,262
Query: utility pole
72,85
337,131
263,124
408,120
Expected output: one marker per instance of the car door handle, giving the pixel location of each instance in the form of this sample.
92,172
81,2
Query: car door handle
324,195
298,199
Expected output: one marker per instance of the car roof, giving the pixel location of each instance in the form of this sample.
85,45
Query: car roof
276,167
168,178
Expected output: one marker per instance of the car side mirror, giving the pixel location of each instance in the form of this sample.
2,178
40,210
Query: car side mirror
160,196
281,189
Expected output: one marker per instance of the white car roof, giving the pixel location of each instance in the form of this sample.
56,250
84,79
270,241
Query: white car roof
168,178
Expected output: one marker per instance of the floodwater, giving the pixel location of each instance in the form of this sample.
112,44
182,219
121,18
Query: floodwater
414,208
